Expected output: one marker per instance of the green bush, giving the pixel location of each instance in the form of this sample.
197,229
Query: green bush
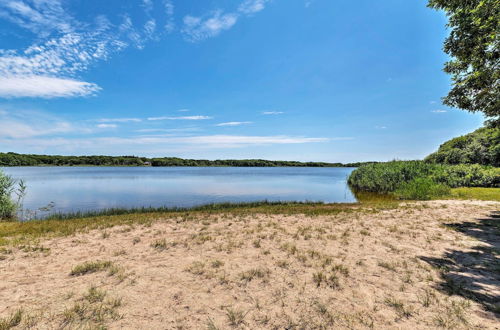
463,175
421,180
387,177
7,206
421,189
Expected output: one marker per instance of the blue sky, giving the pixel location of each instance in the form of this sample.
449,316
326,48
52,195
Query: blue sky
311,80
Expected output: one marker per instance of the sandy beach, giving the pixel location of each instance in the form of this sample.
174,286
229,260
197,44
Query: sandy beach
421,265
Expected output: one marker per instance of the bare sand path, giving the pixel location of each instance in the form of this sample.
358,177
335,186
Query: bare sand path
421,266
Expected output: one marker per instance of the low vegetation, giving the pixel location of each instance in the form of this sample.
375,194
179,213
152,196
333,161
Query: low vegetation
420,180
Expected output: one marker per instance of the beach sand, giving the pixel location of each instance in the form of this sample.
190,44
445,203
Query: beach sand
419,266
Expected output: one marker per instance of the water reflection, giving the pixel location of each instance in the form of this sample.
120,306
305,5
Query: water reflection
94,188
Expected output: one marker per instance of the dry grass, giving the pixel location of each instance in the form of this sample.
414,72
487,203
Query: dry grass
414,266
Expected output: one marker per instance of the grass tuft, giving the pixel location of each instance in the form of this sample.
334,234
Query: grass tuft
90,267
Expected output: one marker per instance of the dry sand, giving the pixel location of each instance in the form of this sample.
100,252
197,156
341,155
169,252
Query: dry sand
425,265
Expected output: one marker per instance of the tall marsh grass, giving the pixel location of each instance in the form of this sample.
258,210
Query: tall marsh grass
8,188
420,180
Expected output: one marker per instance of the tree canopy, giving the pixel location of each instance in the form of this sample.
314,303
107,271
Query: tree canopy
474,47
479,147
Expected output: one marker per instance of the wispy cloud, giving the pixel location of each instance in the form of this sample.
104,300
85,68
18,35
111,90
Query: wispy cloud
119,120
65,46
252,6
234,123
138,143
439,111
106,126
272,112
181,118
168,130
27,124
44,87
381,127
198,28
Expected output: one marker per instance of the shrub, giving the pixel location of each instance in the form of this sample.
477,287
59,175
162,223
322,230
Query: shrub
422,189
421,180
387,177
7,206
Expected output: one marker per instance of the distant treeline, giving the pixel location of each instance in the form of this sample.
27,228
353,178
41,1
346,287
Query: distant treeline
14,159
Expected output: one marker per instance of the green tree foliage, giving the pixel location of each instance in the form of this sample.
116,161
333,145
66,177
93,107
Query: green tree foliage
479,147
14,159
474,45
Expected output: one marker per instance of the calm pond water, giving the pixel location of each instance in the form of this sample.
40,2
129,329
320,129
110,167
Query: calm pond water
95,188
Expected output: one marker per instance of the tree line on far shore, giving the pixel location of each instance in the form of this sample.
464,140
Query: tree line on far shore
15,159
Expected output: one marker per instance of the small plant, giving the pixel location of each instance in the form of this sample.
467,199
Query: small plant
95,295
11,321
211,325
217,264
196,268
330,280
399,307
159,245
235,317
249,275
90,267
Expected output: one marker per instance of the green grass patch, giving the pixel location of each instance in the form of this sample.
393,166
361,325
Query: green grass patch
483,194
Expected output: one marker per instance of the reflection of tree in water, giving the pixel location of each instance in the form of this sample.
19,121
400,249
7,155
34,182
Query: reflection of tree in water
474,274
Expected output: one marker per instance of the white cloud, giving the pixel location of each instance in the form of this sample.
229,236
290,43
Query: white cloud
28,124
65,46
272,112
235,123
181,118
44,87
171,130
252,6
183,110
169,12
106,126
439,111
119,120
381,127
41,17
158,142
197,28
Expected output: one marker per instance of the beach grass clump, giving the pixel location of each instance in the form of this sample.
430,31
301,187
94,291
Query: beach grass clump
12,320
90,267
